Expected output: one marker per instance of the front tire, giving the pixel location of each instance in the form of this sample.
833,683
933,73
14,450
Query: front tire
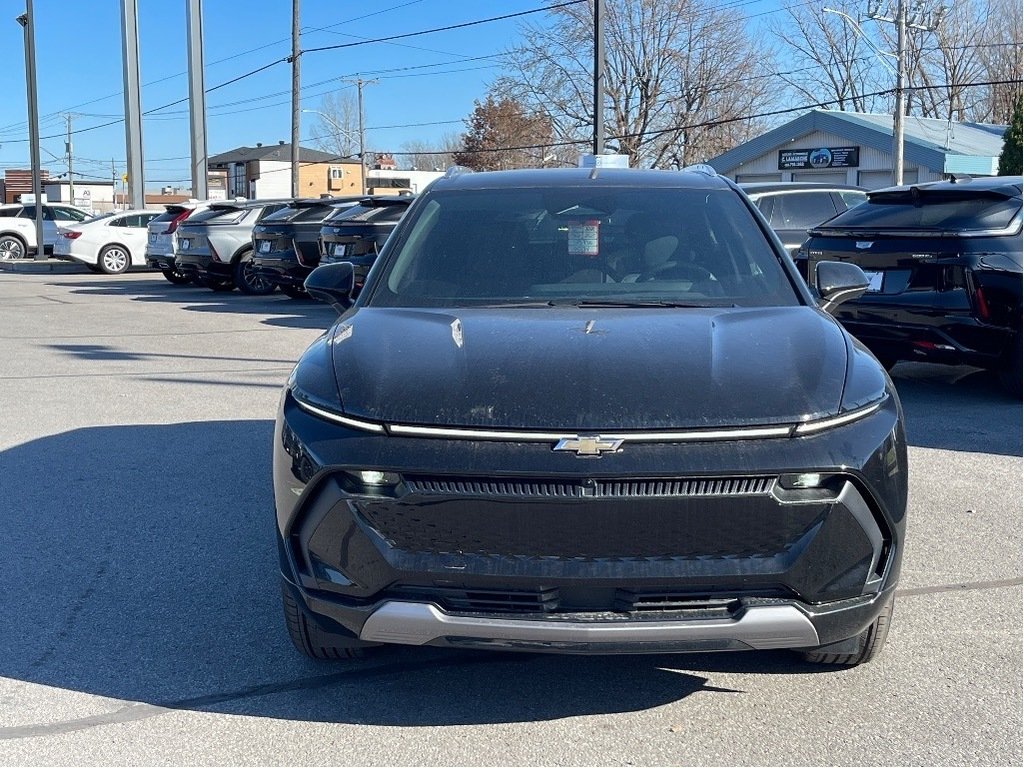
857,650
114,260
310,639
176,277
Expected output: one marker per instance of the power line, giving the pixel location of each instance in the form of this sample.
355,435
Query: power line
463,25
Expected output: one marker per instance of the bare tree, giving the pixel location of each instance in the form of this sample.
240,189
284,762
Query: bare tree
671,65
336,129
832,61
419,155
1001,57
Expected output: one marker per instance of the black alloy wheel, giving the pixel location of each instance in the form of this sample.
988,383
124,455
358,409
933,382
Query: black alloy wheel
248,280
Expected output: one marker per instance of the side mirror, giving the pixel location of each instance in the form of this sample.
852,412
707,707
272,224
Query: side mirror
837,282
333,284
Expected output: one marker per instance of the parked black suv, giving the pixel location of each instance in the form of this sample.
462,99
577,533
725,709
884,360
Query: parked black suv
944,262
793,207
562,417
358,233
286,243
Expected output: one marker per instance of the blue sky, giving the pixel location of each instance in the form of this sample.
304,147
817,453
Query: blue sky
78,49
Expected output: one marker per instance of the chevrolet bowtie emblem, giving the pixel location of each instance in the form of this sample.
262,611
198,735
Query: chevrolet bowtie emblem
589,445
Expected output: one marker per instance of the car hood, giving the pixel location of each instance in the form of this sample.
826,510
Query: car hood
589,369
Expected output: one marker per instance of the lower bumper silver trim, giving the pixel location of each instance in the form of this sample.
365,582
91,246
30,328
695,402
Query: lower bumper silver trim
759,627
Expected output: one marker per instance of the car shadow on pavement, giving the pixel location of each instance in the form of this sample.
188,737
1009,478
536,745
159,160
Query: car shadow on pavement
138,564
958,408
284,312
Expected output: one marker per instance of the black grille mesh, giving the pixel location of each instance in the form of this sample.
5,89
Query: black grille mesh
512,488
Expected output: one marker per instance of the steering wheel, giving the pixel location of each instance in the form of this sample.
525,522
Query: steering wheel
677,269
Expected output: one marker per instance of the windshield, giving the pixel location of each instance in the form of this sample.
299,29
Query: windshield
628,246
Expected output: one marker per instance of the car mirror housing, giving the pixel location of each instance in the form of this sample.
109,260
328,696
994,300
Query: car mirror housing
332,283
837,282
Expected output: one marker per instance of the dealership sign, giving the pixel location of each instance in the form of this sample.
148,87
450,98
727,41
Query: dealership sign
822,157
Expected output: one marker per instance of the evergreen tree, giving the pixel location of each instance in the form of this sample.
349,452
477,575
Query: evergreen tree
1010,157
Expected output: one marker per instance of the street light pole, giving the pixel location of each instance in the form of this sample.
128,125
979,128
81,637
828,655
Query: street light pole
28,25
296,87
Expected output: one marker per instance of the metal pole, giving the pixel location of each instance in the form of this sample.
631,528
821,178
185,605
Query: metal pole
132,102
598,78
362,137
897,123
28,25
71,165
296,85
197,97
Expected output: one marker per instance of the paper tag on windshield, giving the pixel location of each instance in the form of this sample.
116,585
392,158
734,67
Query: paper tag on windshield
583,237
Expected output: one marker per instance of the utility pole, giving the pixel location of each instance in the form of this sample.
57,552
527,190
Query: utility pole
113,178
927,21
27,22
598,78
71,167
296,85
362,131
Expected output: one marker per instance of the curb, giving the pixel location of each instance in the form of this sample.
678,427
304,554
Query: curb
45,266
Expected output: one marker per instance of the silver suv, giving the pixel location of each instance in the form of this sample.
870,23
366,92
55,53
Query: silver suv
214,247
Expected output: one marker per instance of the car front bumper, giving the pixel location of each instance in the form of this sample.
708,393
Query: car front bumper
556,553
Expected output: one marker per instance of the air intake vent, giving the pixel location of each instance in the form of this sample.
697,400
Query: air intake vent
508,488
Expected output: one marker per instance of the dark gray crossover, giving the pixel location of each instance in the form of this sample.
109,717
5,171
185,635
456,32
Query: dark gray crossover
589,411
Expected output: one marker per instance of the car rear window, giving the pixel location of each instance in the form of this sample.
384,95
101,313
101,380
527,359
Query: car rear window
223,215
298,214
800,210
372,214
934,211
630,246
169,215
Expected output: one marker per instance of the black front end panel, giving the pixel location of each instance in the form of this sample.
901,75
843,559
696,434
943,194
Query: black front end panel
654,532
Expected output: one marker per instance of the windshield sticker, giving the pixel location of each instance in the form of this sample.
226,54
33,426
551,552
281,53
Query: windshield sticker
583,237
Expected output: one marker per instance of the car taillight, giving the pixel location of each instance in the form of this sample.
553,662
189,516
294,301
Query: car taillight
981,304
71,235
213,251
173,223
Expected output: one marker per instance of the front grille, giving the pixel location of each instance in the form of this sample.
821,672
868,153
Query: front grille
511,488
663,519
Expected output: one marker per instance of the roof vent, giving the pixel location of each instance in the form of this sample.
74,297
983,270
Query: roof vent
280,143
259,143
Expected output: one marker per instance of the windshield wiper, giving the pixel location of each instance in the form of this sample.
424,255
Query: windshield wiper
647,303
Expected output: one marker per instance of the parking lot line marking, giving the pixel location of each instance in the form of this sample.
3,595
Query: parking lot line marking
1015,582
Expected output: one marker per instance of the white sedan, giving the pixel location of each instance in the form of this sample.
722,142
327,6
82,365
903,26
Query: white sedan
109,244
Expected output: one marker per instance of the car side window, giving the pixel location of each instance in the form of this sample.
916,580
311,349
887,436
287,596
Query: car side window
62,214
144,219
29,212
801,210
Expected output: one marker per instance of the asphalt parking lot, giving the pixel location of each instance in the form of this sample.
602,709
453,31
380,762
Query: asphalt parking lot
141,619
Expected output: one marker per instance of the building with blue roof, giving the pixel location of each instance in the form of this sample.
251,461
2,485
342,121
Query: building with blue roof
856,148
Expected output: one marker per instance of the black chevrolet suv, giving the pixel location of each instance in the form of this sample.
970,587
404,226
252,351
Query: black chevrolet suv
589,411
356,234
285,244
944,264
